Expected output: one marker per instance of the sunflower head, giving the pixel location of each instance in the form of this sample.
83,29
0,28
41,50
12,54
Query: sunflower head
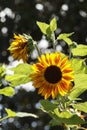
53,74
19,48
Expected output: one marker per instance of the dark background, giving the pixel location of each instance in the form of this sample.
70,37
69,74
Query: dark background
20,16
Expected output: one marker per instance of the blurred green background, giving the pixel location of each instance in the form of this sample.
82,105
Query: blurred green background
20,16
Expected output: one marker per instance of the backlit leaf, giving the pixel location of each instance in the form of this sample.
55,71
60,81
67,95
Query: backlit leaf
53,24
8,91
43,26
78,65
80,86
10,113
65,37
21,75
23,68
17,79
2,70
81,50
81,106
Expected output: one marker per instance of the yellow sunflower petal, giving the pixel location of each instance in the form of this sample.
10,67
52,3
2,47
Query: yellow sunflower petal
62,90
64,61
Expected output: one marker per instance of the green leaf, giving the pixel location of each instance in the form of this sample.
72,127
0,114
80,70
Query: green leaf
17,79
81,106
64,114
10,113
48,33
53,24
23,68
74,120
48,29
80,86
81,50
8,91
21,75
25,114
65,117
43,26
2,70
68,41
47,105
2,73
80,78
65,37
78,65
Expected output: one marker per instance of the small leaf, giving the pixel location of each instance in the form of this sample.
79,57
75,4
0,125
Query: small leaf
68,41
64,114
25,114
65,37
53,24
10,113
66,34
8,91
43,26
81,50
47,105
81,106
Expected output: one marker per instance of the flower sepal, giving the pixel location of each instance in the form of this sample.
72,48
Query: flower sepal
30,43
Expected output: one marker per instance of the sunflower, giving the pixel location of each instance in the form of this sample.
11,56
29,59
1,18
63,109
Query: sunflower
19,48
52,75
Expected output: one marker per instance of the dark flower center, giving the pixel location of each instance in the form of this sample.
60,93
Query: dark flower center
53,74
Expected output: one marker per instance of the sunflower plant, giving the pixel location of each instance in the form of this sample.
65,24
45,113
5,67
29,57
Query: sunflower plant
60,78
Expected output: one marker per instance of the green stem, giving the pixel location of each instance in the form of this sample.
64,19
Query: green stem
54,41
70,53
36,47
6,117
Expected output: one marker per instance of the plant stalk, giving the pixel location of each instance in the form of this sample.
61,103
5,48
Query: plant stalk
36,47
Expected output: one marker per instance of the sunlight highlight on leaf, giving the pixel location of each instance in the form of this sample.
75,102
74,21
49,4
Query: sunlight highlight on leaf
81,50
43,26
53,24
65,37
21,75
8,91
